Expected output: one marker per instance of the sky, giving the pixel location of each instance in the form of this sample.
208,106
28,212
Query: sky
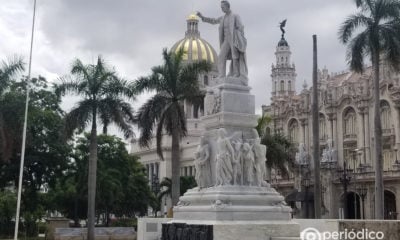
130,35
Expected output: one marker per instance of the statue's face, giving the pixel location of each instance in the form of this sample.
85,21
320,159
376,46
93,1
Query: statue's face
225,7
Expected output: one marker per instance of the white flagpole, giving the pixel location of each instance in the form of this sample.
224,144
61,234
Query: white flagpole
21,170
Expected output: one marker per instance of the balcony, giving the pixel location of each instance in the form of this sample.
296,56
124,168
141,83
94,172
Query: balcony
388,132
349,138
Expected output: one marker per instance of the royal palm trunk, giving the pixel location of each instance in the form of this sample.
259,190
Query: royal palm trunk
92,178
175,165
378,140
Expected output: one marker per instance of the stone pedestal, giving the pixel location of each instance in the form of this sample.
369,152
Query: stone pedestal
232,201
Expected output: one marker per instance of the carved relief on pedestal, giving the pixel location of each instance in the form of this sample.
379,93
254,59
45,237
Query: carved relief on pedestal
238,161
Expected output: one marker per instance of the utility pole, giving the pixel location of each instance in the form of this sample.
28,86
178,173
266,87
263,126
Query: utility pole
315,130
21,170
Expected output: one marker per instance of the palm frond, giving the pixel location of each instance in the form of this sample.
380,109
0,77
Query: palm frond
118,87
79,69
188,77
148,114
357,49
9,69
118,112
391,44
79,117
159,135
148,83
351,24
70,86
387,9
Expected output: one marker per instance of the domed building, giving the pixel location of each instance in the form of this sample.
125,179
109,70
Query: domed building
195,49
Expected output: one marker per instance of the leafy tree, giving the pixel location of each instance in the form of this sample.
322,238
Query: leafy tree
8,204
262,123
103,95
375,32
280,153
46,151
122,186
8,70
174,82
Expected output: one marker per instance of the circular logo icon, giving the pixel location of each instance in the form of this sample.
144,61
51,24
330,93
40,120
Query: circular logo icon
310,234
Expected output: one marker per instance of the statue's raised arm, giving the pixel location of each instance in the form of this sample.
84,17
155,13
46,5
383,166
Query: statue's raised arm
209,20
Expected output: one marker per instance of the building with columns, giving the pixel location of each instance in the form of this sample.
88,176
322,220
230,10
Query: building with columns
346,138
196,49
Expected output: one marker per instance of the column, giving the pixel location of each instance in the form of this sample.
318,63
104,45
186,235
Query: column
368,137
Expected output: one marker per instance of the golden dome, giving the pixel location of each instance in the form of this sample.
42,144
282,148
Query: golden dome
193,16
195,48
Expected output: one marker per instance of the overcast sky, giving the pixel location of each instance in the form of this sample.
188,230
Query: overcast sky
130,34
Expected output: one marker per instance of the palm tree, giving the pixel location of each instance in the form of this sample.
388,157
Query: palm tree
377,26
102,92
7,71
174,82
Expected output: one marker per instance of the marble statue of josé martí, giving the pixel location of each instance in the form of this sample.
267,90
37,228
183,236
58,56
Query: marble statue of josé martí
233,43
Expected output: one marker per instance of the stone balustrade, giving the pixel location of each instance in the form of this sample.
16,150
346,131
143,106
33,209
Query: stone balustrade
115,233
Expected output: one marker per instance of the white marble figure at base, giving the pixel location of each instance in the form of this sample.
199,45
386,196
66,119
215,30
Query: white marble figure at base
202,164
237,163
225,154
260,152
249,163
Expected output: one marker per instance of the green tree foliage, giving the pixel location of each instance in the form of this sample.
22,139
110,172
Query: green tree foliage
8,203
46,151
375,32
122,186
280,152
103,94
174,82
8,70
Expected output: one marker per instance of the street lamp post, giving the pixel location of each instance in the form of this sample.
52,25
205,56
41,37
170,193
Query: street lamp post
305,182
155,187
363,193
345,179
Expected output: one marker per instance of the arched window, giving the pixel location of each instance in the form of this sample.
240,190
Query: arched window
350,123
322,127
282,86
293,130
276,86
386,117
205,80
289,86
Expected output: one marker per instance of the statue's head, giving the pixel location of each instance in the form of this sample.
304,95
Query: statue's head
225,6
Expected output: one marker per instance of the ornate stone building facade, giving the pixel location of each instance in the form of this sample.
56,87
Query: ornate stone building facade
346,138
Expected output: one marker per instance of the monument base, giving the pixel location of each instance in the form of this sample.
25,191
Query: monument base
232,203
231,230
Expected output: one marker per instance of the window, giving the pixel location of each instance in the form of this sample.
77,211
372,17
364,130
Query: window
290,86
294,130
205,80
276,86
386,117
350,124
322,127
282,86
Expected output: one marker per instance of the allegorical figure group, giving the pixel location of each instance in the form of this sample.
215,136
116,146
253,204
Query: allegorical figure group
236,161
